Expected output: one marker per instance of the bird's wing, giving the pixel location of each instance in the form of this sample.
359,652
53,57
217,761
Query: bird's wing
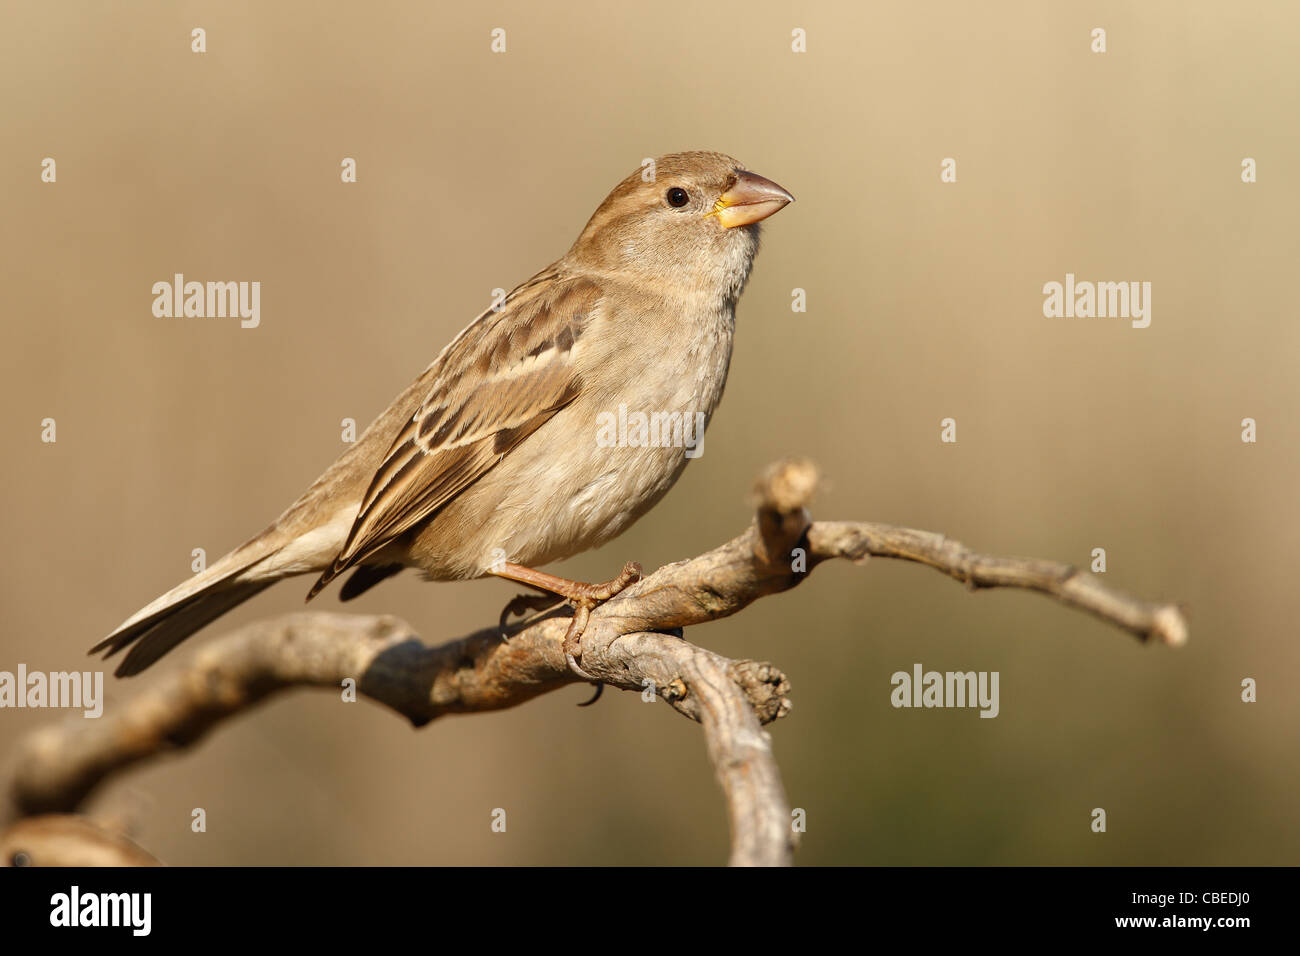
499,381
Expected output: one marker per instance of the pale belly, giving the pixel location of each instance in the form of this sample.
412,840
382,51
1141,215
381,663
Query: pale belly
580,479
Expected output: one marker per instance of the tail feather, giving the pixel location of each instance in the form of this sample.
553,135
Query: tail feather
151,642
157,628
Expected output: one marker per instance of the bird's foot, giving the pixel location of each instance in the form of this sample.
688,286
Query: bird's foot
582,597
586,597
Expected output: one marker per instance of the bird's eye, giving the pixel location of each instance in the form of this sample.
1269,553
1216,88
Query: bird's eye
677,197
20,859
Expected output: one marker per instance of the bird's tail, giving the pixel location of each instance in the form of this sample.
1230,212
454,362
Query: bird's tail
157,628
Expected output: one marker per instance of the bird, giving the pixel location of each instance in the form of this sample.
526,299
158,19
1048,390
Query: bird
503,455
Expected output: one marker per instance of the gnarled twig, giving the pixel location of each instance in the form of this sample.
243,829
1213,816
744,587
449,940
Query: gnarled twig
625,645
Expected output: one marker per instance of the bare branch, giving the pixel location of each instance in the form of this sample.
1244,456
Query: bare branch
858,541
629,644
60,765
66,840
762,561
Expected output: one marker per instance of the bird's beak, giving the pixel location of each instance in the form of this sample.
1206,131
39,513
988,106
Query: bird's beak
751,199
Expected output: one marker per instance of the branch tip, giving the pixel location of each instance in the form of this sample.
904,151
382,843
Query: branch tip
786,486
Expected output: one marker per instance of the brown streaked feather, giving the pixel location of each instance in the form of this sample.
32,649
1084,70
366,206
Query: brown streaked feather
501,380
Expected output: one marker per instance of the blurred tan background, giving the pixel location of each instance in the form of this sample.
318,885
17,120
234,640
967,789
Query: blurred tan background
924,301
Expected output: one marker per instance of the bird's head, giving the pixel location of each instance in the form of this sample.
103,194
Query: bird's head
689,220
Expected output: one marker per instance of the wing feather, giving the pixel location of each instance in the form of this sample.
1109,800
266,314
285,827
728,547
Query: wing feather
503,378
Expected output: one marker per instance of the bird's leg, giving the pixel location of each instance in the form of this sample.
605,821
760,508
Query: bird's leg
583,597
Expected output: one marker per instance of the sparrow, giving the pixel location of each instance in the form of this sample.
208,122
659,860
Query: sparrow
501,456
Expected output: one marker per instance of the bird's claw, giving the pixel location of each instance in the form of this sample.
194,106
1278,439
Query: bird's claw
583,600
520,605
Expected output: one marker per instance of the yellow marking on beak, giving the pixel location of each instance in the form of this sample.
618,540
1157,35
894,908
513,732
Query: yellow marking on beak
750,199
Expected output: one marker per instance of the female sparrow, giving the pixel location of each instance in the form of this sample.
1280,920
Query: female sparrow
532,436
